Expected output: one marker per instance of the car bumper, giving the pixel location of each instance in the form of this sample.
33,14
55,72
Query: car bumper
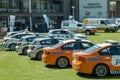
82,67
48,60
31,54
19,49
5,45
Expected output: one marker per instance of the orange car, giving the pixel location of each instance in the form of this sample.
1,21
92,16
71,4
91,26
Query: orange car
100,60
61,53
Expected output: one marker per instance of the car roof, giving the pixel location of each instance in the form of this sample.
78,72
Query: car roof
24,33
75,40
39,39
28,36
105,44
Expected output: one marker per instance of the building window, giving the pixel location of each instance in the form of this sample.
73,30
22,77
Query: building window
43,6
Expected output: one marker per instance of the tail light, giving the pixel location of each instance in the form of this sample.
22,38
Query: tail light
5,40
81,58
46,52
32,47
19,43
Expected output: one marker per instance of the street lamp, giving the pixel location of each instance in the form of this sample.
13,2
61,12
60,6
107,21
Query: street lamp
73,7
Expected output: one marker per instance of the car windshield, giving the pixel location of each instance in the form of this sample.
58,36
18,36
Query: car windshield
108,22
58,44
91,49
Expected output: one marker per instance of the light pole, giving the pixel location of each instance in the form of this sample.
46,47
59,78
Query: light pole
73,7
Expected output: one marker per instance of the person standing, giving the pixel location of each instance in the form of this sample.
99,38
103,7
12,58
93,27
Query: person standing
36,27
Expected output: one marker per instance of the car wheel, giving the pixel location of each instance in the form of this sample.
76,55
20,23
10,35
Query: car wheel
101,70
39,55
107,30
25,51
87,32
12,47
62,62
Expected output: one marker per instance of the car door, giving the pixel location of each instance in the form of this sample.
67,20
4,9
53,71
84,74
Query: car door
115,59
111,57
80,27
68,49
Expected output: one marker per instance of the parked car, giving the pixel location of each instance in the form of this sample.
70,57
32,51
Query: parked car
100,60
39,44
61,53
65,34
11,42
9,34
26,40
116,21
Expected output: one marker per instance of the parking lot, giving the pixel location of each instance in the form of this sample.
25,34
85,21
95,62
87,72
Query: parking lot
19,67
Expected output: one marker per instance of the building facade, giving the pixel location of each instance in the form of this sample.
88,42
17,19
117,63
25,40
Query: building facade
117,9
30,12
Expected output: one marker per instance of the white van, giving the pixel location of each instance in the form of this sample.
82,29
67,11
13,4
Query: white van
102,24
78,27
116,21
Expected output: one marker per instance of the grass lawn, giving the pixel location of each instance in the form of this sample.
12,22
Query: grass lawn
18,67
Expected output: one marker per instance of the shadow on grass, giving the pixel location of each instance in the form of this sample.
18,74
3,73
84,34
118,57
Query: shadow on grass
96,34
21,54
35,59
88,76
56,67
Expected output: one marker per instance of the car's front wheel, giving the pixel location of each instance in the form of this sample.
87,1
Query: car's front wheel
24,51
101,70
87,32
13,47
39,55
62,62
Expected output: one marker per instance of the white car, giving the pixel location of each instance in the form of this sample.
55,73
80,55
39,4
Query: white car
65,34
9,34
11,42
25,41
39,44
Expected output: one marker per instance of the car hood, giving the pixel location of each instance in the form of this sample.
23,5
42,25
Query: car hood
112,25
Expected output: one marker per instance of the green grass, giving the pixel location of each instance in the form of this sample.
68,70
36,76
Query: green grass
19,67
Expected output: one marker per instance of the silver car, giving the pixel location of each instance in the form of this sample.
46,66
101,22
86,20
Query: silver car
25,41
65,34
11,42
39,44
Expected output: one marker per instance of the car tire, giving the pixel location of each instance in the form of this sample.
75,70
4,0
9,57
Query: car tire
24,51
62,62
87,32
101,70
107,30
39,55
13,47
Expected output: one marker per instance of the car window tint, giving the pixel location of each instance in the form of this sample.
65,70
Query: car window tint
64,32
86,45
50,42
69,46
29,39
56,32
114,50
104,51
77,46
65,24
18,36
